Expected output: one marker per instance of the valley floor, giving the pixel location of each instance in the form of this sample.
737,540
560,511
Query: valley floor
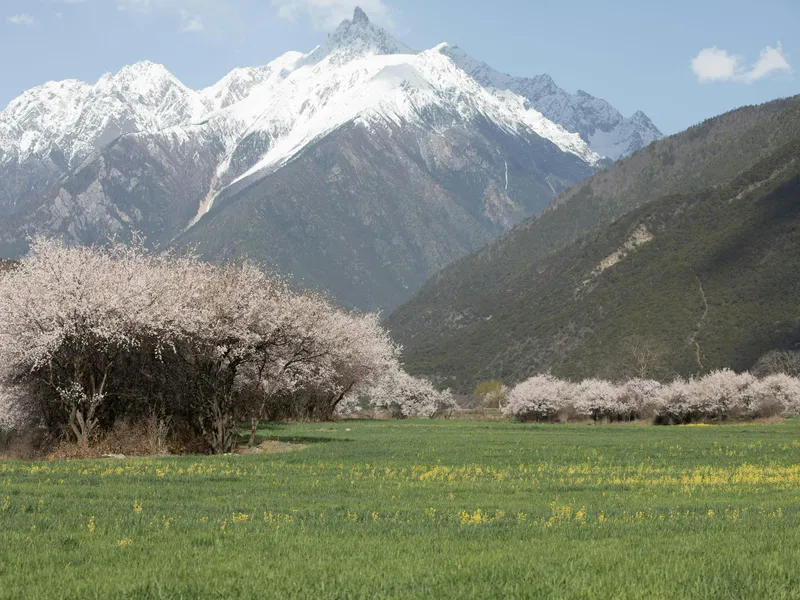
433,509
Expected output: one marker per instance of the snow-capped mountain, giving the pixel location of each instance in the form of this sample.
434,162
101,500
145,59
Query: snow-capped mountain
599,124
78,118
239,83
372,87
50,130
444,158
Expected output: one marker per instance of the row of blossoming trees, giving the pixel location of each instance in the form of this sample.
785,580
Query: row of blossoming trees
720,395
91,336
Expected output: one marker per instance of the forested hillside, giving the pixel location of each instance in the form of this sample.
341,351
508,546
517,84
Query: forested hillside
709,154
692,282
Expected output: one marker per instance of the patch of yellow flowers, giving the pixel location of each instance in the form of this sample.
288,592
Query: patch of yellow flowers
479,517
592,472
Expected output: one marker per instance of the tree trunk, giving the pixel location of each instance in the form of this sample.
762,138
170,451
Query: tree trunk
84,426
222,428
73,424
253,427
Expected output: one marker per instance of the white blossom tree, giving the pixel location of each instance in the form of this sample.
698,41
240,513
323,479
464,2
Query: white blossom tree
15,411
675,403
640,397
403,395
722,394
65,319
97,333
600,399
540,398
775,395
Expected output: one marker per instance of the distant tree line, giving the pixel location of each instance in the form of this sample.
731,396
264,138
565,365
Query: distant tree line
719,396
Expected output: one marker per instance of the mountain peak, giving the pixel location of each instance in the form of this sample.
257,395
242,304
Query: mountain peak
142,76
359,16
354,39
641,117
144,67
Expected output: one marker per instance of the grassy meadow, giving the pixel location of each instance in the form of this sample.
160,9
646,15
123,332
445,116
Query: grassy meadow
430,509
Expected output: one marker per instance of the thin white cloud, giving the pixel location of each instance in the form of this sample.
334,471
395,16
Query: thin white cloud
191,23
24,20
771,60
149,6
715,64
192,15
327,14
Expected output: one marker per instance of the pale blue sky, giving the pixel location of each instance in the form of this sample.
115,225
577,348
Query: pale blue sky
634,53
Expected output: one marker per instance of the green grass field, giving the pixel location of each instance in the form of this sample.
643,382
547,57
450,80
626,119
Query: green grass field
429,509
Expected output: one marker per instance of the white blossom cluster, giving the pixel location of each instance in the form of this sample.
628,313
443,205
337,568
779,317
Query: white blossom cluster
89,335
540,398
719,395
13,409
405,396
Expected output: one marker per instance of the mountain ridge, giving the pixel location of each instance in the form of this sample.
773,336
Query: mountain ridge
597,122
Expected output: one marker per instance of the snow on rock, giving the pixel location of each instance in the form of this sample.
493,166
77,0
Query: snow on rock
401,88
354,39
598,123
241,82
77,118
260,117
630,135
34,119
